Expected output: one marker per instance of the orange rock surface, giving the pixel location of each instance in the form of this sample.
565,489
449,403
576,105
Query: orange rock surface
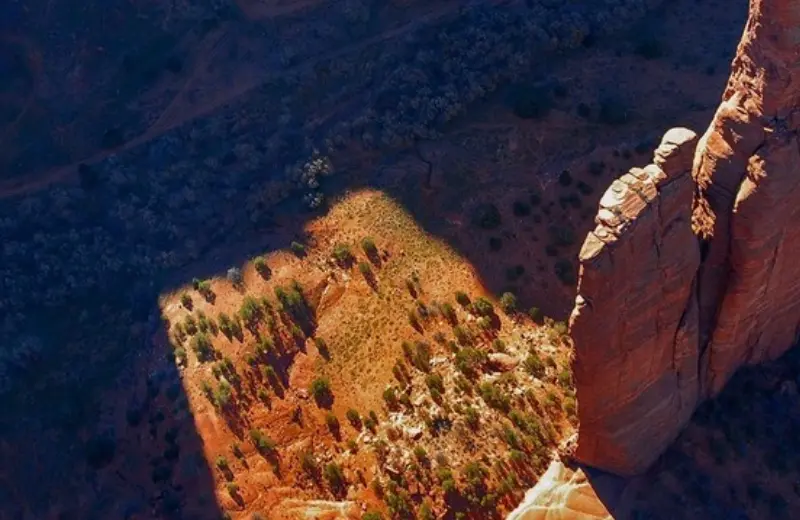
635,339
747,170
687,277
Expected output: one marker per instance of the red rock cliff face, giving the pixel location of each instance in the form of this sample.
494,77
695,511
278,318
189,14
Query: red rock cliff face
692,271
636,340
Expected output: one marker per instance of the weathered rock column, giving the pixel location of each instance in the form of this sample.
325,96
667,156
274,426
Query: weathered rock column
747,170
634,326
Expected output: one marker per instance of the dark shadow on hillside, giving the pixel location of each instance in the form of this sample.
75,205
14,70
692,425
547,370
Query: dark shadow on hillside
735,460
97,425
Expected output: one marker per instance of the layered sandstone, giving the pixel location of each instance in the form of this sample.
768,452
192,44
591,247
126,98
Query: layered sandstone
636,340
691,271
561,494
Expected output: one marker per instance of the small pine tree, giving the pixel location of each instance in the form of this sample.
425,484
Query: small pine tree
298,249
508,302
369,247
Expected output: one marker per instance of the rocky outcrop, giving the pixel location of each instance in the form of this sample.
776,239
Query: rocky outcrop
561,494
747,170
636,341
687,277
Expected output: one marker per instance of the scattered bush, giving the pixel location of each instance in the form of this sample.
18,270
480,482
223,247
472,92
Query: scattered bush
508,302
613,111
565,272
308,463
298,249
369,247
186,300
332,422
334,475
531,102
483,307
494,396
486,216
461,335
462,298
260,264
533,365
261,441
343,255
354,417
320,388
202,347
521,209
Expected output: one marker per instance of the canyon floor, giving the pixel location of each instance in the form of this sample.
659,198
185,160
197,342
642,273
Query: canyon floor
345,373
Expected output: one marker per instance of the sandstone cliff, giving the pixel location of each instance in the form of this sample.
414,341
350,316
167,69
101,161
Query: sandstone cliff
691,272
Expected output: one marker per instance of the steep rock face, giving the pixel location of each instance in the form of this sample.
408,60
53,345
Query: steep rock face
688,277
747,173
636,346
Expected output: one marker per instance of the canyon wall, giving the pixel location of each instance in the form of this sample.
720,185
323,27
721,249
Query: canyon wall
691,271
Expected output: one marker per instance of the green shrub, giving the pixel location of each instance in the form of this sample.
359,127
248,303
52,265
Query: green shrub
186,300
342,254
536,315
561,236
462,298
334,475
533,364
223,394
365,269
508,302
261,441
250,311
232,488
332,422
613,111
495,397
308,463
499,345
222,463
202,347
422,356
435,381
531,102
354,417
461,335
565,272
483,307
372,515
260,264
390,396
449,313
486,216
369,247
298,249
320,388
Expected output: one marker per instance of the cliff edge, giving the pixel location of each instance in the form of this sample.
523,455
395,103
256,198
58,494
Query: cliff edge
691,271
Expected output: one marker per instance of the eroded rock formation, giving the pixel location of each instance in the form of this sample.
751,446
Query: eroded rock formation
635,337
691,271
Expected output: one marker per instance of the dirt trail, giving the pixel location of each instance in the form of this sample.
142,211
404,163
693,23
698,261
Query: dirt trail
177,113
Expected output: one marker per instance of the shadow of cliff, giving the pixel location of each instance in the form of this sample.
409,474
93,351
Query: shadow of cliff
118,440
736,459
